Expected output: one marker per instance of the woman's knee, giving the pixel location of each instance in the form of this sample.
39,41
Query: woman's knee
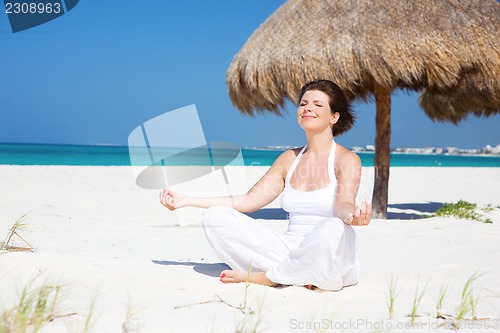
216,215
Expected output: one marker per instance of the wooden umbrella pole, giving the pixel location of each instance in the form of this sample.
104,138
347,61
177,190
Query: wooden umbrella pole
382,151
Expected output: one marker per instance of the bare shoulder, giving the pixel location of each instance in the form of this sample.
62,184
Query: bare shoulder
288,156
285,160
344,158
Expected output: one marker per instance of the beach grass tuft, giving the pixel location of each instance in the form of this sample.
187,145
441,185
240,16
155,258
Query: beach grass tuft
465,210
488,220
466,310
15,233
468,301
417,298
36,307
247,285
251,320
489,208
443,292
248,313
393,295
89,319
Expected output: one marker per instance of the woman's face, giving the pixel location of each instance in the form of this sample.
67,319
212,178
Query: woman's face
314,111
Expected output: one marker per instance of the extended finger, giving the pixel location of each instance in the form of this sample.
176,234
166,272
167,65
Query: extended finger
368,212
363,211
365,217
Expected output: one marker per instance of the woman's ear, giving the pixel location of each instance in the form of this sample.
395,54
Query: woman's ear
334,118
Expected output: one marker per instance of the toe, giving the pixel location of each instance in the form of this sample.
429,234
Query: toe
225,276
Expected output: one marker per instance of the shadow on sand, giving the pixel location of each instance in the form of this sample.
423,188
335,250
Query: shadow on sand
402,211
269,214
413,211
203,268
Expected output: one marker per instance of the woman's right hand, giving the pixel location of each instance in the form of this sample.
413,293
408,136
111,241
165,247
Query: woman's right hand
172,200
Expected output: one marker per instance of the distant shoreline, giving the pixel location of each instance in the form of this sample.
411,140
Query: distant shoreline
99,155
435,154
456,151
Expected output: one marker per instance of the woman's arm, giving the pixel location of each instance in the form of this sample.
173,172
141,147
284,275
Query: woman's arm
262,193
348,173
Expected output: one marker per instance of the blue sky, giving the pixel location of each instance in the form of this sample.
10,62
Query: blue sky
94,74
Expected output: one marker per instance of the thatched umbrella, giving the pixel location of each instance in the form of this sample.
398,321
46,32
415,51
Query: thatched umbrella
446,49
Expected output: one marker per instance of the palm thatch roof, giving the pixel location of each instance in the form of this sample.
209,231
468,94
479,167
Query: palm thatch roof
447,49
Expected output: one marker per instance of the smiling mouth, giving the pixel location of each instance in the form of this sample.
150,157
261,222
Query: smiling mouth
303,116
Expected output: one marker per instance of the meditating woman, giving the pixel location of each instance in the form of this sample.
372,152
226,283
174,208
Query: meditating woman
318,185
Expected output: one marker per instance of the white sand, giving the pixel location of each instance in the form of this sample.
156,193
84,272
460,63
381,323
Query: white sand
106,239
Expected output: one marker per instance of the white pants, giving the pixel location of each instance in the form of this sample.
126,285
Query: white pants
325,257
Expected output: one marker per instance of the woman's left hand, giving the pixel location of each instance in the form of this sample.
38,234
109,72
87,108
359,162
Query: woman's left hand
362,216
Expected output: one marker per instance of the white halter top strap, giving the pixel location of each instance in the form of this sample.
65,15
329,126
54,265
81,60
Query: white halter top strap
331,164
293,166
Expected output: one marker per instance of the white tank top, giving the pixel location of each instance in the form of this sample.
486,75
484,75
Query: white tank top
306,209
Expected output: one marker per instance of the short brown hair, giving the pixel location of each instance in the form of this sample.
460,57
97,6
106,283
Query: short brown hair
338,103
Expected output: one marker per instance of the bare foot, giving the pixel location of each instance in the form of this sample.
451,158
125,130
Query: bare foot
235,276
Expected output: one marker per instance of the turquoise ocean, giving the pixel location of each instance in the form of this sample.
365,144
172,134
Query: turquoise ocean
39,154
